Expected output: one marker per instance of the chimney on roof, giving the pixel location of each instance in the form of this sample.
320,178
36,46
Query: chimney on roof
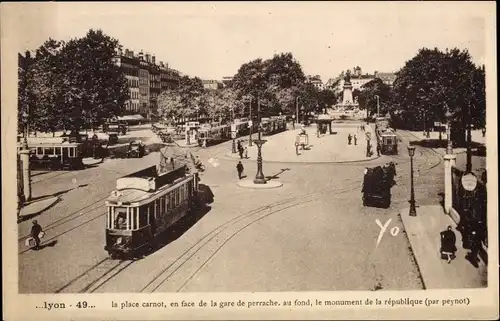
131,54
141,55
153,59
375,74
148,57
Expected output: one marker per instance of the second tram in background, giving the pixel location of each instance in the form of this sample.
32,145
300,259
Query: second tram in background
386,136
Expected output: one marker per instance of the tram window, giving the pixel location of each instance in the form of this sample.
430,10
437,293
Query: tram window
158,209
161,201
71,152
39,151
58,150
143,217
49,151
120,218
177,197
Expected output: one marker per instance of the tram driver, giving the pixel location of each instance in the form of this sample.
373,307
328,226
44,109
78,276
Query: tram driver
120,222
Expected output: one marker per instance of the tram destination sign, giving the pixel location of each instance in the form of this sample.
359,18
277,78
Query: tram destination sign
469,181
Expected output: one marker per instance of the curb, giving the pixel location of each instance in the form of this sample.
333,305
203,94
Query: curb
248,183
400,211
226,156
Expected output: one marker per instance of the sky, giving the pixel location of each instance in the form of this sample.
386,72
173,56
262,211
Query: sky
212,40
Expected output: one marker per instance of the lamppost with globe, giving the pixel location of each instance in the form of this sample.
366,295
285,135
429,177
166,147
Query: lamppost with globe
259,177
411,153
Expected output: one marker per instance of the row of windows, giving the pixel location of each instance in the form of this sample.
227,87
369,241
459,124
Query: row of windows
133,218
70,151
134,95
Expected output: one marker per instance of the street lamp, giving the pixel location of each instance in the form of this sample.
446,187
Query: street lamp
250,123
449,147
378,105
297,108
259,177
413,211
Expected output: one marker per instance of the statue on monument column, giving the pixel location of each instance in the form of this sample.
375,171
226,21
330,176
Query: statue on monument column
347,77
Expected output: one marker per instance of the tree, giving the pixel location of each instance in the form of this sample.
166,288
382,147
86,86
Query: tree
434,81
170,104
276,82
94,88
367,96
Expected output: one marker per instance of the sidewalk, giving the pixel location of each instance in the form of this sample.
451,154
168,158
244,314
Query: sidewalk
328,148
33,208
423,233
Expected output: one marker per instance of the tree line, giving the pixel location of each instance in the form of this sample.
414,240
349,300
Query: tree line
274,83
75,84
70,85
427,87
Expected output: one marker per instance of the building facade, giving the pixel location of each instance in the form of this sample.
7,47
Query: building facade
316,82
358,79
212,84
146,80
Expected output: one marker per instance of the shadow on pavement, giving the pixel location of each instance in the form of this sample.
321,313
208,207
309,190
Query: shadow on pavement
436,143
56,194
188,221
275,176
24,218
50,244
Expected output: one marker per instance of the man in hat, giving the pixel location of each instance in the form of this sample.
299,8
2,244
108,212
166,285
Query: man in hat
240,169
36,229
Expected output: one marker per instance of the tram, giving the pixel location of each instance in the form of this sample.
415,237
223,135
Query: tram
387,140
53,155
144,205
273,125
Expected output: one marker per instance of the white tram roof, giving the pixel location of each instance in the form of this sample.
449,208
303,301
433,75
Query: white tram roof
144,184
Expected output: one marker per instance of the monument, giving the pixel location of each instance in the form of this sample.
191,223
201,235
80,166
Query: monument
347,94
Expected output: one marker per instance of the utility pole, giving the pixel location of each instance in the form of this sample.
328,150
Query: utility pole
469,141
297,108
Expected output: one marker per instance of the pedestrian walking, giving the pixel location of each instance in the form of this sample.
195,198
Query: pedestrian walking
238,144
36,230
246,152
378,149
349,138
475,245
204,144
355,140
448,247
240,169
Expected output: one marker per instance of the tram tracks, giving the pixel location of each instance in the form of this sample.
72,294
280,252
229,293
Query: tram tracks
95,277
99,274
210,244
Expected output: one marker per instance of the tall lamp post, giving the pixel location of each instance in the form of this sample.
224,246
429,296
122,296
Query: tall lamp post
378,105
413,211
250,123
449,147
297,108
259,177
233,131
469,141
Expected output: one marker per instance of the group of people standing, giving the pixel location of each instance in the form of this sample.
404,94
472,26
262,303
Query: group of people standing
243,151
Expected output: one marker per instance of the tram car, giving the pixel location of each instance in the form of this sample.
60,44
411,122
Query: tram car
388,141
377,184
242,126
213,135
144,205
54,156
273,125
